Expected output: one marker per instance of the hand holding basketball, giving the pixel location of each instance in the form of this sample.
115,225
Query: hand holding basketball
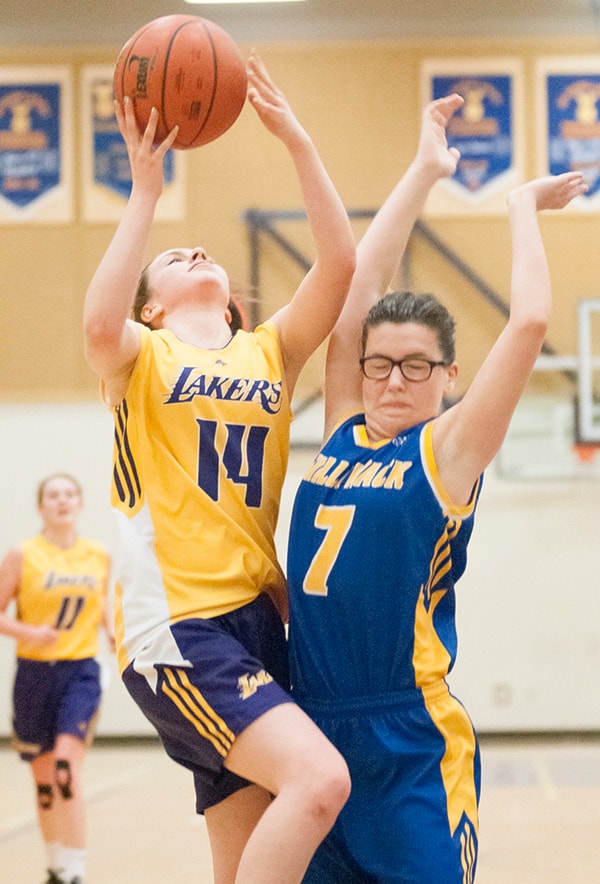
145,160
190,70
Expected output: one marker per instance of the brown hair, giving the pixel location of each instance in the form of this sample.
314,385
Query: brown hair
400,307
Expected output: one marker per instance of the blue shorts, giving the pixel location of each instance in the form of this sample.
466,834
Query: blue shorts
412,813
52,698
235,669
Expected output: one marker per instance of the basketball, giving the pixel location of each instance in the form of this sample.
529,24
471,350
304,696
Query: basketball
190,70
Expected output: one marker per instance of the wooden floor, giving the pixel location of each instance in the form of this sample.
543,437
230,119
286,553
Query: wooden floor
540,816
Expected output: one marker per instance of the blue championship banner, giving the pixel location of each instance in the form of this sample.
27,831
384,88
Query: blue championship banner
107,174
483,130
570,126
33,178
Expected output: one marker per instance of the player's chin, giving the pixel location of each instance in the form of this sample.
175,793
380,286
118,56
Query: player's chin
395,418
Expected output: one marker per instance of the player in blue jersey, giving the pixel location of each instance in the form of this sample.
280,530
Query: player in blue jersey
58,582
379,534
202,420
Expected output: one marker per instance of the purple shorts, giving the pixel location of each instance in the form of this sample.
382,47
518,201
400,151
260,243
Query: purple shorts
235,670
52,698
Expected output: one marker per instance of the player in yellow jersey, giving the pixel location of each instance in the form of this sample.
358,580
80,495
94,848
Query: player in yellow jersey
58,582
202,414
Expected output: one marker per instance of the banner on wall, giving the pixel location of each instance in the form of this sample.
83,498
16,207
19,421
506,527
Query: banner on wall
487,130
568,102
106,175
35,148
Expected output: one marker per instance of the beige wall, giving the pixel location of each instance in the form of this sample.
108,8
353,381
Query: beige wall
529,607
361,103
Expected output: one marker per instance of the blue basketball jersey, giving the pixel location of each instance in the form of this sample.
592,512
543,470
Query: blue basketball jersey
375,549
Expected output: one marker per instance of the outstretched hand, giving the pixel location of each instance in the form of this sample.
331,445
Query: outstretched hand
553,191
433,151
270,103
145,160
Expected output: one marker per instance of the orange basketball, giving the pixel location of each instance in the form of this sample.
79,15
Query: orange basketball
190,70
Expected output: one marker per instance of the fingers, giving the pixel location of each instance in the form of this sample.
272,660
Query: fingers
126,120
450,103
553,191
445,107
560,189
120,117
575,178
149,137
130,131
257,70
261,89
268,99
131,126
256,99
433,147
150,130
167,144
574,185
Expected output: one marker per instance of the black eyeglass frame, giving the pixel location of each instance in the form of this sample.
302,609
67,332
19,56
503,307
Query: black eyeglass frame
393,362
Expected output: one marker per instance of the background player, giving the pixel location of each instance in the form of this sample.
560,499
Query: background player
59,584
379,533
202,436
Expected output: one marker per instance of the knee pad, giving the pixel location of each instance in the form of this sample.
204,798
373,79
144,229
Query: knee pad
44,793
63,778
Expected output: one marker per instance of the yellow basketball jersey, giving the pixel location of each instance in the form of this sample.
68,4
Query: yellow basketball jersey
64,588
200,455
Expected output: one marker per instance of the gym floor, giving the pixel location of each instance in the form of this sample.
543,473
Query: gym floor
540,815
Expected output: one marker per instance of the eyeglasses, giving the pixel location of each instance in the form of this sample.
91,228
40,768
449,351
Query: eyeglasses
413,368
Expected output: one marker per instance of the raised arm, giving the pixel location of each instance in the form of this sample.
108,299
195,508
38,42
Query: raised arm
306,321
469,435
112,341
379,254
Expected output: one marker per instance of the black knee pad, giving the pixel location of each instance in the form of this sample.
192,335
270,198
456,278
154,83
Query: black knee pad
63,778
44,792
